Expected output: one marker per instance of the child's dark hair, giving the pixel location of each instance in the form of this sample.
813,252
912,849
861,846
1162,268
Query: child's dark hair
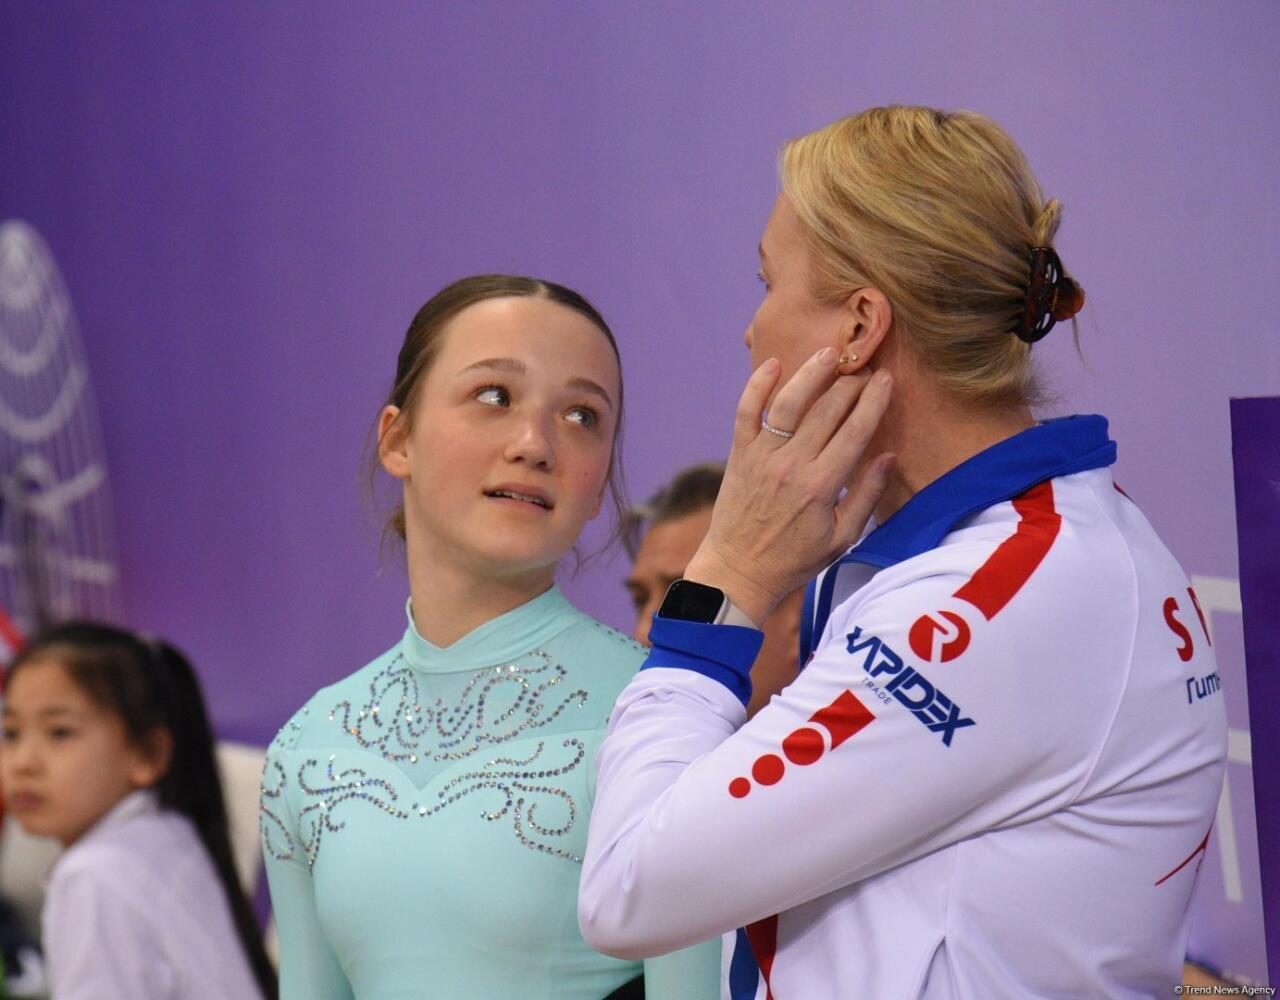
152,687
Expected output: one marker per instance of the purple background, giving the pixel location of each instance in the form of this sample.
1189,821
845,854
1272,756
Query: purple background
1255,432
250,202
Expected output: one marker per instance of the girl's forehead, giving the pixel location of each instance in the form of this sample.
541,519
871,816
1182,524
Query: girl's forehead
536,332
43,681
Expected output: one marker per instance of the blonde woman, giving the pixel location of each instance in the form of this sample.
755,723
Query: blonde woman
995,776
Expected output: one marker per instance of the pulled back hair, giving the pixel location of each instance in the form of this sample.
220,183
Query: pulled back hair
693,488
151,686
939,211
423,339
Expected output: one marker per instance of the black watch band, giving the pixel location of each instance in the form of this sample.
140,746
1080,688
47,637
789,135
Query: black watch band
687,601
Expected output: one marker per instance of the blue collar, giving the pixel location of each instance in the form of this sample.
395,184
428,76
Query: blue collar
1002,472
1005,470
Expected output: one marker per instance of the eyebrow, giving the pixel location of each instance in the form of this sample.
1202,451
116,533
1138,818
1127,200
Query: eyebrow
44,713
515,367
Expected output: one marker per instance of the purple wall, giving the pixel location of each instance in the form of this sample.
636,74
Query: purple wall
1255,430
249,203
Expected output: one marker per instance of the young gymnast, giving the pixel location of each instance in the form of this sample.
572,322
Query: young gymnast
424,819
107,748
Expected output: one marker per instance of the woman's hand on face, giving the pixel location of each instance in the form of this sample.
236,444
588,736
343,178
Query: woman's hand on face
780,518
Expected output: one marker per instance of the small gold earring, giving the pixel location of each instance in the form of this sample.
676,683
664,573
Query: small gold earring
845,361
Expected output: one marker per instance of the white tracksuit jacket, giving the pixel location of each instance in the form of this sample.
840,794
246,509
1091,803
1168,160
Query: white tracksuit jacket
995,776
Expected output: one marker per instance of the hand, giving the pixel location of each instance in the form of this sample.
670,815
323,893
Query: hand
779,518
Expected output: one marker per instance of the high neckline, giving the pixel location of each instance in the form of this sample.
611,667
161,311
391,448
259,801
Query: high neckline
496,641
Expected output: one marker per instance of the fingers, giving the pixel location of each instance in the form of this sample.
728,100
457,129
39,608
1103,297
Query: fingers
855,509
796,397
829,412
746,423
850,439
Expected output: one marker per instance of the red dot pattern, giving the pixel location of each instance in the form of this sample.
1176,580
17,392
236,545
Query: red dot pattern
768,770
804,746
843,718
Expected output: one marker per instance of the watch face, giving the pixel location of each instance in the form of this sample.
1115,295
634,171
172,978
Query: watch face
692,602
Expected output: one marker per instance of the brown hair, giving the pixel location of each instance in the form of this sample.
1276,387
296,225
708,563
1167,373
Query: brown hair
422,344
939,211
693,488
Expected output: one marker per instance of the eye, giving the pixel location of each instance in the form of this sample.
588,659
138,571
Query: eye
585,415
493,395
763,280
9,734
61,733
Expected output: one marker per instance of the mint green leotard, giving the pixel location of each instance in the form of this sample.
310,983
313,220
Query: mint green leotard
424,821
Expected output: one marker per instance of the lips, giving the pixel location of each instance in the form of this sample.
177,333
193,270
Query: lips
526,494
20,802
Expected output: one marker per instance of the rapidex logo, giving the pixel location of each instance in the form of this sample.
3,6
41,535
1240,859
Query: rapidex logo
911,689
939,638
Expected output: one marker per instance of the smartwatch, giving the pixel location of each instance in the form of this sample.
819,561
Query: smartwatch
687,601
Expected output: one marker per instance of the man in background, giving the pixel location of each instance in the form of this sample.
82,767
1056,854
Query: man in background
663,534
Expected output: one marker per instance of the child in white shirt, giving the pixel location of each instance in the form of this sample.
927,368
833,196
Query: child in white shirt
107,747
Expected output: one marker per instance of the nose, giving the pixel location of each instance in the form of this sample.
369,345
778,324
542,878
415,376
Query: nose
644,618
531,442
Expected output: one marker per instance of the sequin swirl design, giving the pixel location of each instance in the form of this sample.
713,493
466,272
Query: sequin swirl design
523,782
276,839
274,832
442,732
335,789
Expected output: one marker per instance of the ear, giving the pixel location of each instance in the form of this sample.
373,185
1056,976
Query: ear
869,317
152,760
393,441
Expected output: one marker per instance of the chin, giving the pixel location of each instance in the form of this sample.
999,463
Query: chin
506,562
36,827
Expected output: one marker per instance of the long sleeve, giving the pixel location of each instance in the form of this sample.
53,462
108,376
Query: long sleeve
309,969
703,823
1004,711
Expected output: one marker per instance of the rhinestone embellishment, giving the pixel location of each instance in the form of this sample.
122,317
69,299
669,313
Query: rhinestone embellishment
525,785
276,839
394,723
496,706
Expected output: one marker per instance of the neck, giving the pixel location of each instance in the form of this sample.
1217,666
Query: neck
931,433
449,600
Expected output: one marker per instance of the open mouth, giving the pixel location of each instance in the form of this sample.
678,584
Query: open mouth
526,497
